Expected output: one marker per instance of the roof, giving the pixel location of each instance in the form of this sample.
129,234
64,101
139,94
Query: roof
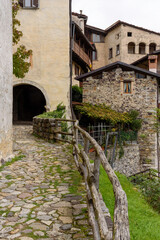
119,22
145,57
111,66
95,29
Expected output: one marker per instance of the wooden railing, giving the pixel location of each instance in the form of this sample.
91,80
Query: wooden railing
98,213
149,172
81,53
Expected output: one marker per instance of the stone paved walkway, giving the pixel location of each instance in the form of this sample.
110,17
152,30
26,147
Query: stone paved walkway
42,195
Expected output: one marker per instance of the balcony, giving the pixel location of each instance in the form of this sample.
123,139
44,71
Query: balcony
81,53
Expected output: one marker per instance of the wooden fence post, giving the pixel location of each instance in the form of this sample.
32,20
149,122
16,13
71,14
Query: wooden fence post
96,170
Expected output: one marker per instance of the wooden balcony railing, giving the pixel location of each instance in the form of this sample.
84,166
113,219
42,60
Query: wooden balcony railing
81,53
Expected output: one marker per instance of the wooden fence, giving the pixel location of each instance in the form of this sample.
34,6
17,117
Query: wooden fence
98,212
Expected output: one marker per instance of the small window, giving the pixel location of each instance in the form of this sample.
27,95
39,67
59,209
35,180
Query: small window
96,38
117,36
140,75
118,49
110,53
29,3
127,87
94,55
152,60
77,70
129,34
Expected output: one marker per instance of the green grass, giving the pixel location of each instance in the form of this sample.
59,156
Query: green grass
144,221
15,159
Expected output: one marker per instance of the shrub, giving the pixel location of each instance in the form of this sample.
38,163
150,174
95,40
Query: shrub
76,93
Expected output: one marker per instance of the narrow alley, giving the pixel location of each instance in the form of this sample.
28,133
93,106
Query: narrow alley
42,195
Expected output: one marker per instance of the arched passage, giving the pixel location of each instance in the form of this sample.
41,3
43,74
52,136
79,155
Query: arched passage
28,101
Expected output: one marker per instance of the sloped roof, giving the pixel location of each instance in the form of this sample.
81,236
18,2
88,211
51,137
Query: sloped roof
122,65
119,22
146,57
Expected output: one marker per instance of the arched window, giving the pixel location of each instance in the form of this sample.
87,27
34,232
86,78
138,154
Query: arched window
152,47
142,48
131,48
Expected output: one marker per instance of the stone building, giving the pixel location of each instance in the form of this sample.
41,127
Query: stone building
5,79
125,87
121,42
46,31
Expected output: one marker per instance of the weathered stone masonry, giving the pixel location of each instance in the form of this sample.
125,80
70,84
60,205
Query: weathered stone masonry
108,89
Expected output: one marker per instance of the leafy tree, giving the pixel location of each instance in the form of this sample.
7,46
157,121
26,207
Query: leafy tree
20,65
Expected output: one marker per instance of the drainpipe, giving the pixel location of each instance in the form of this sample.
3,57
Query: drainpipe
71,46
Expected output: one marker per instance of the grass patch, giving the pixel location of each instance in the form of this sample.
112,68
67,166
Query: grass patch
144,221
15,159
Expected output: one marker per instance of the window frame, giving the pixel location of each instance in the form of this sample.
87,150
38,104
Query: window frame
32,4
127,83
117,49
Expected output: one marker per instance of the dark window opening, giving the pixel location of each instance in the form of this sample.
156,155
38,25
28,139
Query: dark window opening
129,34
142,48
140,75
131,48
28,101
152,47
118,49
110,53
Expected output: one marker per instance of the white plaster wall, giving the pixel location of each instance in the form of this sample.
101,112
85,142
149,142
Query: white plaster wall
5,78
46,32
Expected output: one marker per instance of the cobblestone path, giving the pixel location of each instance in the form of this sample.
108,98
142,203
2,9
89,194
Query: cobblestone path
42,195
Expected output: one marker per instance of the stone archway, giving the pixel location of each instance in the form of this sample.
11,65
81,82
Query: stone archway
28,101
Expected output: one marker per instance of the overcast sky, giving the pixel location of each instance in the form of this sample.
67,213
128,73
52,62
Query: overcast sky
103,13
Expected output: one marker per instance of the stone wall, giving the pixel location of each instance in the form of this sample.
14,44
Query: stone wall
44,128
129,163
5,79
109,90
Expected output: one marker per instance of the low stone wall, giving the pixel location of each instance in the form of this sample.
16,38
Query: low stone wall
44,128
129,163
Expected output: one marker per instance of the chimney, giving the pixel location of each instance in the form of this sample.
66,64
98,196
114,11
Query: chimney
152,62
80,11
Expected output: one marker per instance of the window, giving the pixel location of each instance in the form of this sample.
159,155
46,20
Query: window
140,75
94,55
117,36
129,34
127,87
96,37
29,3
110,53
77,70
131,48
152,47
118,49
142,48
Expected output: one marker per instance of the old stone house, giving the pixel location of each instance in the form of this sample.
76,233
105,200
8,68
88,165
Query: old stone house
121,42
126,87
5,79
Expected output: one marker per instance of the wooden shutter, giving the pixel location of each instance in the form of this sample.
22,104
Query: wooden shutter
21,3
36,3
